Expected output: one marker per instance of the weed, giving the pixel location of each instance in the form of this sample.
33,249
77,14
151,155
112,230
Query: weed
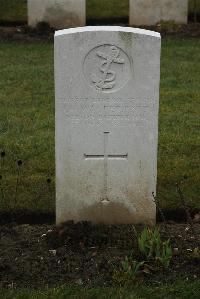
149,242
156,252
128,272
166,254
185,206
153,248
162,215
159,208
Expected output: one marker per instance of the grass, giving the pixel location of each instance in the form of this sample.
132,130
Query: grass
107,9
13,10
178,154
16,10
177,290
192,4
27,124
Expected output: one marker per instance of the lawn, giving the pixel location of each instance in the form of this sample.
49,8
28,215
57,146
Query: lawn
107,9
178,290
27,125
13,10
16,10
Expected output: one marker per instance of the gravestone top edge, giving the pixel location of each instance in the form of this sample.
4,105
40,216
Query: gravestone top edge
107,29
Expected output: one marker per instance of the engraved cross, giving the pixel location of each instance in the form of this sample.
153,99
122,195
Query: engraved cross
105,157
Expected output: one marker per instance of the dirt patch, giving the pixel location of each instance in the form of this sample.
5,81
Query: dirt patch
82,253
25,34
45,33
34,217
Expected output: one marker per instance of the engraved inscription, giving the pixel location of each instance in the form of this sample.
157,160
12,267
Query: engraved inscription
105,157
107,68
107,80
131,109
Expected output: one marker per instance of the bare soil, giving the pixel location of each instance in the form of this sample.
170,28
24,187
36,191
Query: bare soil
82,253
45,33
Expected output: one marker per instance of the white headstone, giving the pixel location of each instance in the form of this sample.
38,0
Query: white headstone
175,10
151,12
58,13
107,98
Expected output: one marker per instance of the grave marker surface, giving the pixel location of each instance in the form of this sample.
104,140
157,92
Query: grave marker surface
151,12
58,13
107,98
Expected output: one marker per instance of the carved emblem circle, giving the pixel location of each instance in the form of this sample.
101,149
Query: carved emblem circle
107,68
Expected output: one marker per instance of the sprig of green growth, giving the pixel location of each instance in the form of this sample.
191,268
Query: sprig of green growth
128,272
153,248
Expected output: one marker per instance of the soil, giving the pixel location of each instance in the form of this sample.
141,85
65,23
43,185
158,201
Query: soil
33,217
45,33
86,254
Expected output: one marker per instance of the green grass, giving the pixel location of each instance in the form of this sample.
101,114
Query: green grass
27,124
178,290
179,139
191,6
13,10
107,9
16,10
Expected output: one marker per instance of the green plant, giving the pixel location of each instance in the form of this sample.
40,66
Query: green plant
185,207
149,242
128,271
153,248
166,254
194,255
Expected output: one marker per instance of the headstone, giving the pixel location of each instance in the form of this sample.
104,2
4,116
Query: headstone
175,10
57,13
144,12
151,12
107,97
